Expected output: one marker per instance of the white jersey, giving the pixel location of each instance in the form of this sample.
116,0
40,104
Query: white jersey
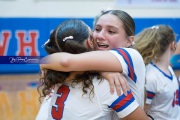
43,112
134,71
162,93
179,93
69,103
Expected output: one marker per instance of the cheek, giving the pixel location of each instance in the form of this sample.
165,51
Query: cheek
94,35
115,42
119,41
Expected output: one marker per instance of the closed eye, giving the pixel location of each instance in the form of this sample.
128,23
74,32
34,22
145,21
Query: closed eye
97,29
111,32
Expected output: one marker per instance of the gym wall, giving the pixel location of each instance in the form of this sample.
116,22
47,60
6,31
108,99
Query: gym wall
26,24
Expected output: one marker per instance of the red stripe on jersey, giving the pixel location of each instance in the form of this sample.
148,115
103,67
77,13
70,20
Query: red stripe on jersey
131,70
123,101
150,95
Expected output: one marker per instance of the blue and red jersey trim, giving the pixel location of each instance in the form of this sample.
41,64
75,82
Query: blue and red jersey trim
122,102
150,95
129,62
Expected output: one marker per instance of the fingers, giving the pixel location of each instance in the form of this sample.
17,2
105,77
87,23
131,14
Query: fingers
123,83
118,81
118,85
111,84
127,85
110,77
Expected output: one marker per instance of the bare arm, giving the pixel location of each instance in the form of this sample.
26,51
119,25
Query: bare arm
137,114
146,107
95,60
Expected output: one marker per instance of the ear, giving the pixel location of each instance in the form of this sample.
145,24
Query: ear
130,40
173,46
89,43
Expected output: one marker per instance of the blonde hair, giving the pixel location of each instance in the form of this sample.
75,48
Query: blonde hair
153,42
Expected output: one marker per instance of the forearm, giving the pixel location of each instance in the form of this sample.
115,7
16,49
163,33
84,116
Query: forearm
96,60
146,107
56,61
137,114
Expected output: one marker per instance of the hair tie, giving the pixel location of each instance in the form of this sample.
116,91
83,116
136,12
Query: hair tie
155,27
70,37
133,43
45,43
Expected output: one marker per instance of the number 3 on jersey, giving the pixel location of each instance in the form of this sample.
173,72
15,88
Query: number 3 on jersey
57,111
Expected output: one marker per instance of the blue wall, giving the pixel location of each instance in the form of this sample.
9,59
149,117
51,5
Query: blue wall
43,27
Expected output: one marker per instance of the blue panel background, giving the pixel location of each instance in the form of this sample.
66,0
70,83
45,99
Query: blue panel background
45,25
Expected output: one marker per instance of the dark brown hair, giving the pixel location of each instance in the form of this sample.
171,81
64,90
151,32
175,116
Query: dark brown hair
75,32
125,18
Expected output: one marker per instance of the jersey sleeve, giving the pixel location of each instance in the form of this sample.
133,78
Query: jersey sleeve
151,88
128,58
118,54
43,111
122,105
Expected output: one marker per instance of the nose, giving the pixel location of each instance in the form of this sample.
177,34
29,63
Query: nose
101,35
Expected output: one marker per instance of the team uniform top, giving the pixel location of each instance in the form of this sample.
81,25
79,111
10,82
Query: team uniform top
69,103
133,70
162,93
43,112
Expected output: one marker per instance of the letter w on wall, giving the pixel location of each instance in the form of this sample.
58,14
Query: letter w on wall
5,36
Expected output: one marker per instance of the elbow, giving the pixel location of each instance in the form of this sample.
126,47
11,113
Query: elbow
65,64
58,62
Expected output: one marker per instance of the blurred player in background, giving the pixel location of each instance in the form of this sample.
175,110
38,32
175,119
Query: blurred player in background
157,45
